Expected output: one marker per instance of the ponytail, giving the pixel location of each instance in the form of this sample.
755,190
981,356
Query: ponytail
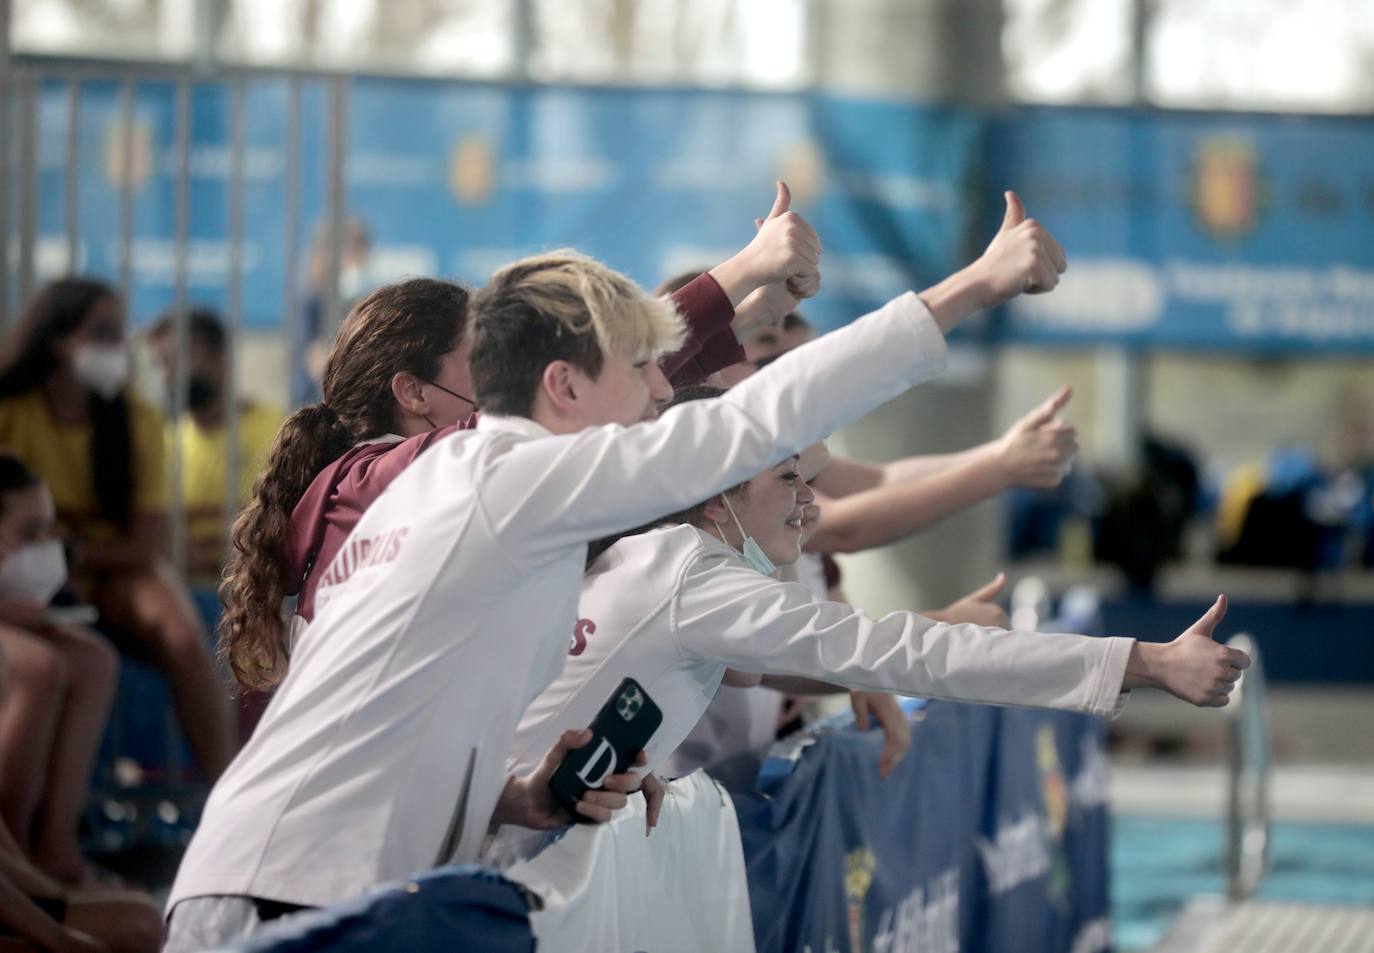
252,634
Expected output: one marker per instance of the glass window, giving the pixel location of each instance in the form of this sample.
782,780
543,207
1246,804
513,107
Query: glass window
433,37
1068,51
760,43
1302,55
125,29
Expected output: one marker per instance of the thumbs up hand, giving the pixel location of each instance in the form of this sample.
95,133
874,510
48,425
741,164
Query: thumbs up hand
979,607
1023,257
785,248
1193,666
1038,449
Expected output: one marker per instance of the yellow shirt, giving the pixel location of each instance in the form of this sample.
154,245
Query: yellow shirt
61,454
204,462
1239,491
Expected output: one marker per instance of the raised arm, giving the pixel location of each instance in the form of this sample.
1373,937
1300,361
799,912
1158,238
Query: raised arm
754,288
731,614
1034,452
566,490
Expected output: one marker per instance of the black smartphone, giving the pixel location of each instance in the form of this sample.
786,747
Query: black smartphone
621,729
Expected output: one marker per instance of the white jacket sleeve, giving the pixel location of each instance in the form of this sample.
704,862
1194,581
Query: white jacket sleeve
727,612
543,495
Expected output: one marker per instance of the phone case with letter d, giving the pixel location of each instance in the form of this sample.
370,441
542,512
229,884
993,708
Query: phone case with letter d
620,730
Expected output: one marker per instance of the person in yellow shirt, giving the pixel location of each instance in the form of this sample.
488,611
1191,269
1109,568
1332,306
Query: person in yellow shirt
203,433
67,410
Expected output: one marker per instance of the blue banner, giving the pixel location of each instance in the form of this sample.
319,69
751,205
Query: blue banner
457,179
1197,230
455,908
1183,229
991,835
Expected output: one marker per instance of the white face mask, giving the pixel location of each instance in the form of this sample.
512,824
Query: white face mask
750,549
34,572
101,368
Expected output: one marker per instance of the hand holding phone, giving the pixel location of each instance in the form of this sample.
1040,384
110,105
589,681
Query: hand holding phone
621,729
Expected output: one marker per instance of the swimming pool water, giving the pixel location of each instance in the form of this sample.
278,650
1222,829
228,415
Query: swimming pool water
1159,863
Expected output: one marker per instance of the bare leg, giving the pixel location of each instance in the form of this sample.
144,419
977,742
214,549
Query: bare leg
126,920
29,715
92,667
154,610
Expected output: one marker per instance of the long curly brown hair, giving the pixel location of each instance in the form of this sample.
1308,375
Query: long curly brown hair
407,326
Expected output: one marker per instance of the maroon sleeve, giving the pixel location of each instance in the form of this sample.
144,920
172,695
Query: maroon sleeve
711,344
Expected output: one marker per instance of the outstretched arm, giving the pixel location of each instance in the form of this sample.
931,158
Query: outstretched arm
729,613
1034,452
582,486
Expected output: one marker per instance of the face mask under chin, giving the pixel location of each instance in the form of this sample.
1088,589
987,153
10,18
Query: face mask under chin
750,549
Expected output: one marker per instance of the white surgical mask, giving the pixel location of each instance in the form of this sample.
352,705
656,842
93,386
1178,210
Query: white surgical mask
751,551
34,572
101,368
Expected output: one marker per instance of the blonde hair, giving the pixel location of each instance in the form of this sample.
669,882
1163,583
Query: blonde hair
582,294
561,305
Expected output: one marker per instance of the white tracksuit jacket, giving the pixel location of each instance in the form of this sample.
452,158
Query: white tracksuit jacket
450,606
672,608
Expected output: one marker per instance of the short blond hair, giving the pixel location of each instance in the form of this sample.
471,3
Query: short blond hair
561,305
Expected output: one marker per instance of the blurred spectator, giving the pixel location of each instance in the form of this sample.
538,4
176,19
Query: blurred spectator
66,409
38,913
1143,520
316,328
203,433
61,681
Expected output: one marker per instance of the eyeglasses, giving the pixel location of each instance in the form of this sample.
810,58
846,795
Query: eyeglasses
453,392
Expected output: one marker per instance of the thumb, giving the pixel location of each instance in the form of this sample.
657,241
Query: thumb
1016,212
568,741
781,203
990,591
1210,618
1043,414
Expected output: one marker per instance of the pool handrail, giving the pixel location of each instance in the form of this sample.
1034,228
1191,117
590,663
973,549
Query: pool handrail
1249,817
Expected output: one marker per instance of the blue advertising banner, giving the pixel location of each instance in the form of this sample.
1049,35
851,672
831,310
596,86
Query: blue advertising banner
1245,232
453,908
991,835
457,179
1184,229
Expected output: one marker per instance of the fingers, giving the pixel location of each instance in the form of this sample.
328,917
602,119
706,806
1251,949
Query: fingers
600,805
626,783
1208,623
1061,261
1043,275
896,734
783,200
991,590
1016,212
654,793
805,284
859,702
1237,659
